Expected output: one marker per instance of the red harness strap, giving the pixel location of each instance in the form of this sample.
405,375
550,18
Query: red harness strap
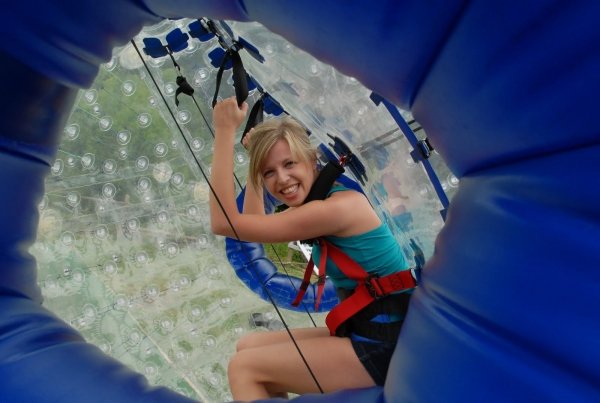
308,272
368,288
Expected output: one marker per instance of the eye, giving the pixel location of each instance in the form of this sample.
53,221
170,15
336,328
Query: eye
267,174
290,164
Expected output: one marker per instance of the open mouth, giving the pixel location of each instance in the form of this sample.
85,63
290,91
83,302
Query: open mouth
289,190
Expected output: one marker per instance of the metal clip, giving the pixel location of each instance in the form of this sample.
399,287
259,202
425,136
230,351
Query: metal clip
372,287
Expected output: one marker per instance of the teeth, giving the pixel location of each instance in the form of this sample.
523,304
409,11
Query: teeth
289,190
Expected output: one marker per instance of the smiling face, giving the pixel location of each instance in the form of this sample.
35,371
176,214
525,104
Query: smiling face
287,177
282,159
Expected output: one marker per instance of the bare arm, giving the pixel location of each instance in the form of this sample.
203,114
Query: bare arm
253,200
227,117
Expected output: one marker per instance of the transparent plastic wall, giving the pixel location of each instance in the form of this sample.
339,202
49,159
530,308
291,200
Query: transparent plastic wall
124,249
328,102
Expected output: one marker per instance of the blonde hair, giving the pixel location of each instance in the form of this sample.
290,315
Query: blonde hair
266,134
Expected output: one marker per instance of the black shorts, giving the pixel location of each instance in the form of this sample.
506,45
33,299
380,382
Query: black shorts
375,357
374,342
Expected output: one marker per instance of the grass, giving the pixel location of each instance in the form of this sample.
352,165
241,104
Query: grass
287,260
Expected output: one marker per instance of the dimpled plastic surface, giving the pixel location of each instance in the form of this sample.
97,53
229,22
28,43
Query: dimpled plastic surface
506,93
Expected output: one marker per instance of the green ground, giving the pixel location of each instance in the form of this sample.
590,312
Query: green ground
288,261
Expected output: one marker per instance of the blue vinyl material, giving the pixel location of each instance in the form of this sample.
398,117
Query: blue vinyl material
507,93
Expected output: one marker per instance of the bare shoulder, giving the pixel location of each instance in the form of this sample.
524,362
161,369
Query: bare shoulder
353,210
348,196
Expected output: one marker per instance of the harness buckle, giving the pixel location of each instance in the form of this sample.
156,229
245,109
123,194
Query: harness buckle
373,287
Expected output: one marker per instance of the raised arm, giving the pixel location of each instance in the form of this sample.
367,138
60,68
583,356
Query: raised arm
227,117
254,202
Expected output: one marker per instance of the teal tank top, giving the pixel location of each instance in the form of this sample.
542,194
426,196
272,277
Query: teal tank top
376,251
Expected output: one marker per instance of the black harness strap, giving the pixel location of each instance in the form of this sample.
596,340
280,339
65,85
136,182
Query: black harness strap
240,80
328,175
255,117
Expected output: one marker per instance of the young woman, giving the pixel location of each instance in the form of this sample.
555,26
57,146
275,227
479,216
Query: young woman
283,161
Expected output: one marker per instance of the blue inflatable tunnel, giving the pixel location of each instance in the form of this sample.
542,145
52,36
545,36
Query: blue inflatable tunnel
507,93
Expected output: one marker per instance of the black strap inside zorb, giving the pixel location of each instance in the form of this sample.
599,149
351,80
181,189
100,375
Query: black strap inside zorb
255,117
240,80
183,87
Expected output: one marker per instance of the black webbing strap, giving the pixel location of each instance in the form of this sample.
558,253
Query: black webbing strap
183,87
255,117
324,181
240,80
327,176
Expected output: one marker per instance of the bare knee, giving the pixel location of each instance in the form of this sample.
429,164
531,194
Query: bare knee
237,366
248,379
244,376
250,340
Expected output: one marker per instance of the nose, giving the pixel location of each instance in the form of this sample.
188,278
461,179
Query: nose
282,176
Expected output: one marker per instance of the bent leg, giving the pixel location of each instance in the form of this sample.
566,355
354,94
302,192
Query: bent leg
273,369
258,339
